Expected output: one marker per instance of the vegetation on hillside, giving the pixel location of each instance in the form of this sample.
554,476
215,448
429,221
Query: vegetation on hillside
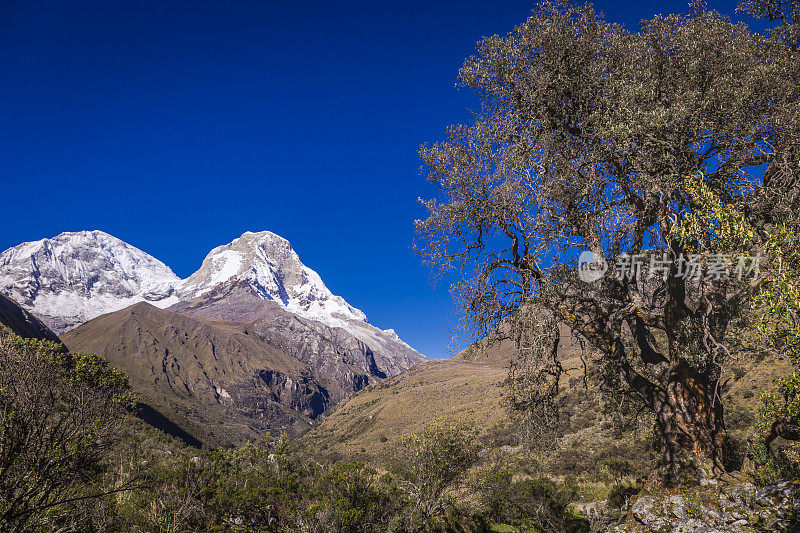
60,418
73,458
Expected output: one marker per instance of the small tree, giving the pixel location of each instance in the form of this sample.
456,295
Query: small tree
586,135
778,306
60,417
437,457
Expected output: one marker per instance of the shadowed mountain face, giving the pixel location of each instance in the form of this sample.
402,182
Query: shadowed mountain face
377,352
22,323
217,380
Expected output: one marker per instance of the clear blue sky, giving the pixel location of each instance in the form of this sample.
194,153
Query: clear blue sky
177,126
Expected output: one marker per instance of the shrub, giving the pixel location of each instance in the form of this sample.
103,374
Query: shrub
57,426
436,457
351,497
535,504
773,465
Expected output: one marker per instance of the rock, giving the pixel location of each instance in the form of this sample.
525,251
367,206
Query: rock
660,524
743,495
692,525
643,510
738,510
738,525
676,507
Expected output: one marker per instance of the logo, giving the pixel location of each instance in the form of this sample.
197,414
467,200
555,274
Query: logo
589,269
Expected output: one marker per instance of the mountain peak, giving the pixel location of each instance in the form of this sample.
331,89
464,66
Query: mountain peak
268,264
261,235
76,276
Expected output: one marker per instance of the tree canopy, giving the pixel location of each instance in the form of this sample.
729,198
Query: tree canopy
590,138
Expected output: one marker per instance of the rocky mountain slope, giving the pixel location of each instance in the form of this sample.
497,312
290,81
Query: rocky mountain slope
217,380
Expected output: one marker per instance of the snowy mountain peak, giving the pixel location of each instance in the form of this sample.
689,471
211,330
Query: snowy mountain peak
272,269
75,276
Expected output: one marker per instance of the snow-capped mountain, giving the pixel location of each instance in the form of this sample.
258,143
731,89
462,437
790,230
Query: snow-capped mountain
272,269
72,278
77,276
253,342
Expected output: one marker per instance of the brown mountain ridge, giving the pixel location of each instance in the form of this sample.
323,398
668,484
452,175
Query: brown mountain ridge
213,378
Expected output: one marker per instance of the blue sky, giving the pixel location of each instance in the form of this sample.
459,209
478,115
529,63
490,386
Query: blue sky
177,126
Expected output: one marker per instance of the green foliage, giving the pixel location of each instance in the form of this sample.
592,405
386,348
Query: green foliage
56,431
779,313
98,373
777,316
621,494
773,465
618,468
713,226
88,369
710,225
436,457
351,497
112,473
534,504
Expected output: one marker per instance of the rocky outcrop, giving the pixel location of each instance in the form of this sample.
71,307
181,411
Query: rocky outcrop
735,509
335,358
301,394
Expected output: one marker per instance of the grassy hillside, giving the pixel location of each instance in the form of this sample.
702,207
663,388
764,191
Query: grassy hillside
370,425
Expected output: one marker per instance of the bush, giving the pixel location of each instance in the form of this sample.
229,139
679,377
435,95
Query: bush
351,497
773,465
58,422
436,458
620,494
535,504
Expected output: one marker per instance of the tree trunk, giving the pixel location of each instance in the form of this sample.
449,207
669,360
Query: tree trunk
690,430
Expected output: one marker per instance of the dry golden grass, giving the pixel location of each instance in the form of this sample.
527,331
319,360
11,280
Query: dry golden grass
371,424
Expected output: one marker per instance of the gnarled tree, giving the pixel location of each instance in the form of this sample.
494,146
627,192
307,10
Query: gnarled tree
584,142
